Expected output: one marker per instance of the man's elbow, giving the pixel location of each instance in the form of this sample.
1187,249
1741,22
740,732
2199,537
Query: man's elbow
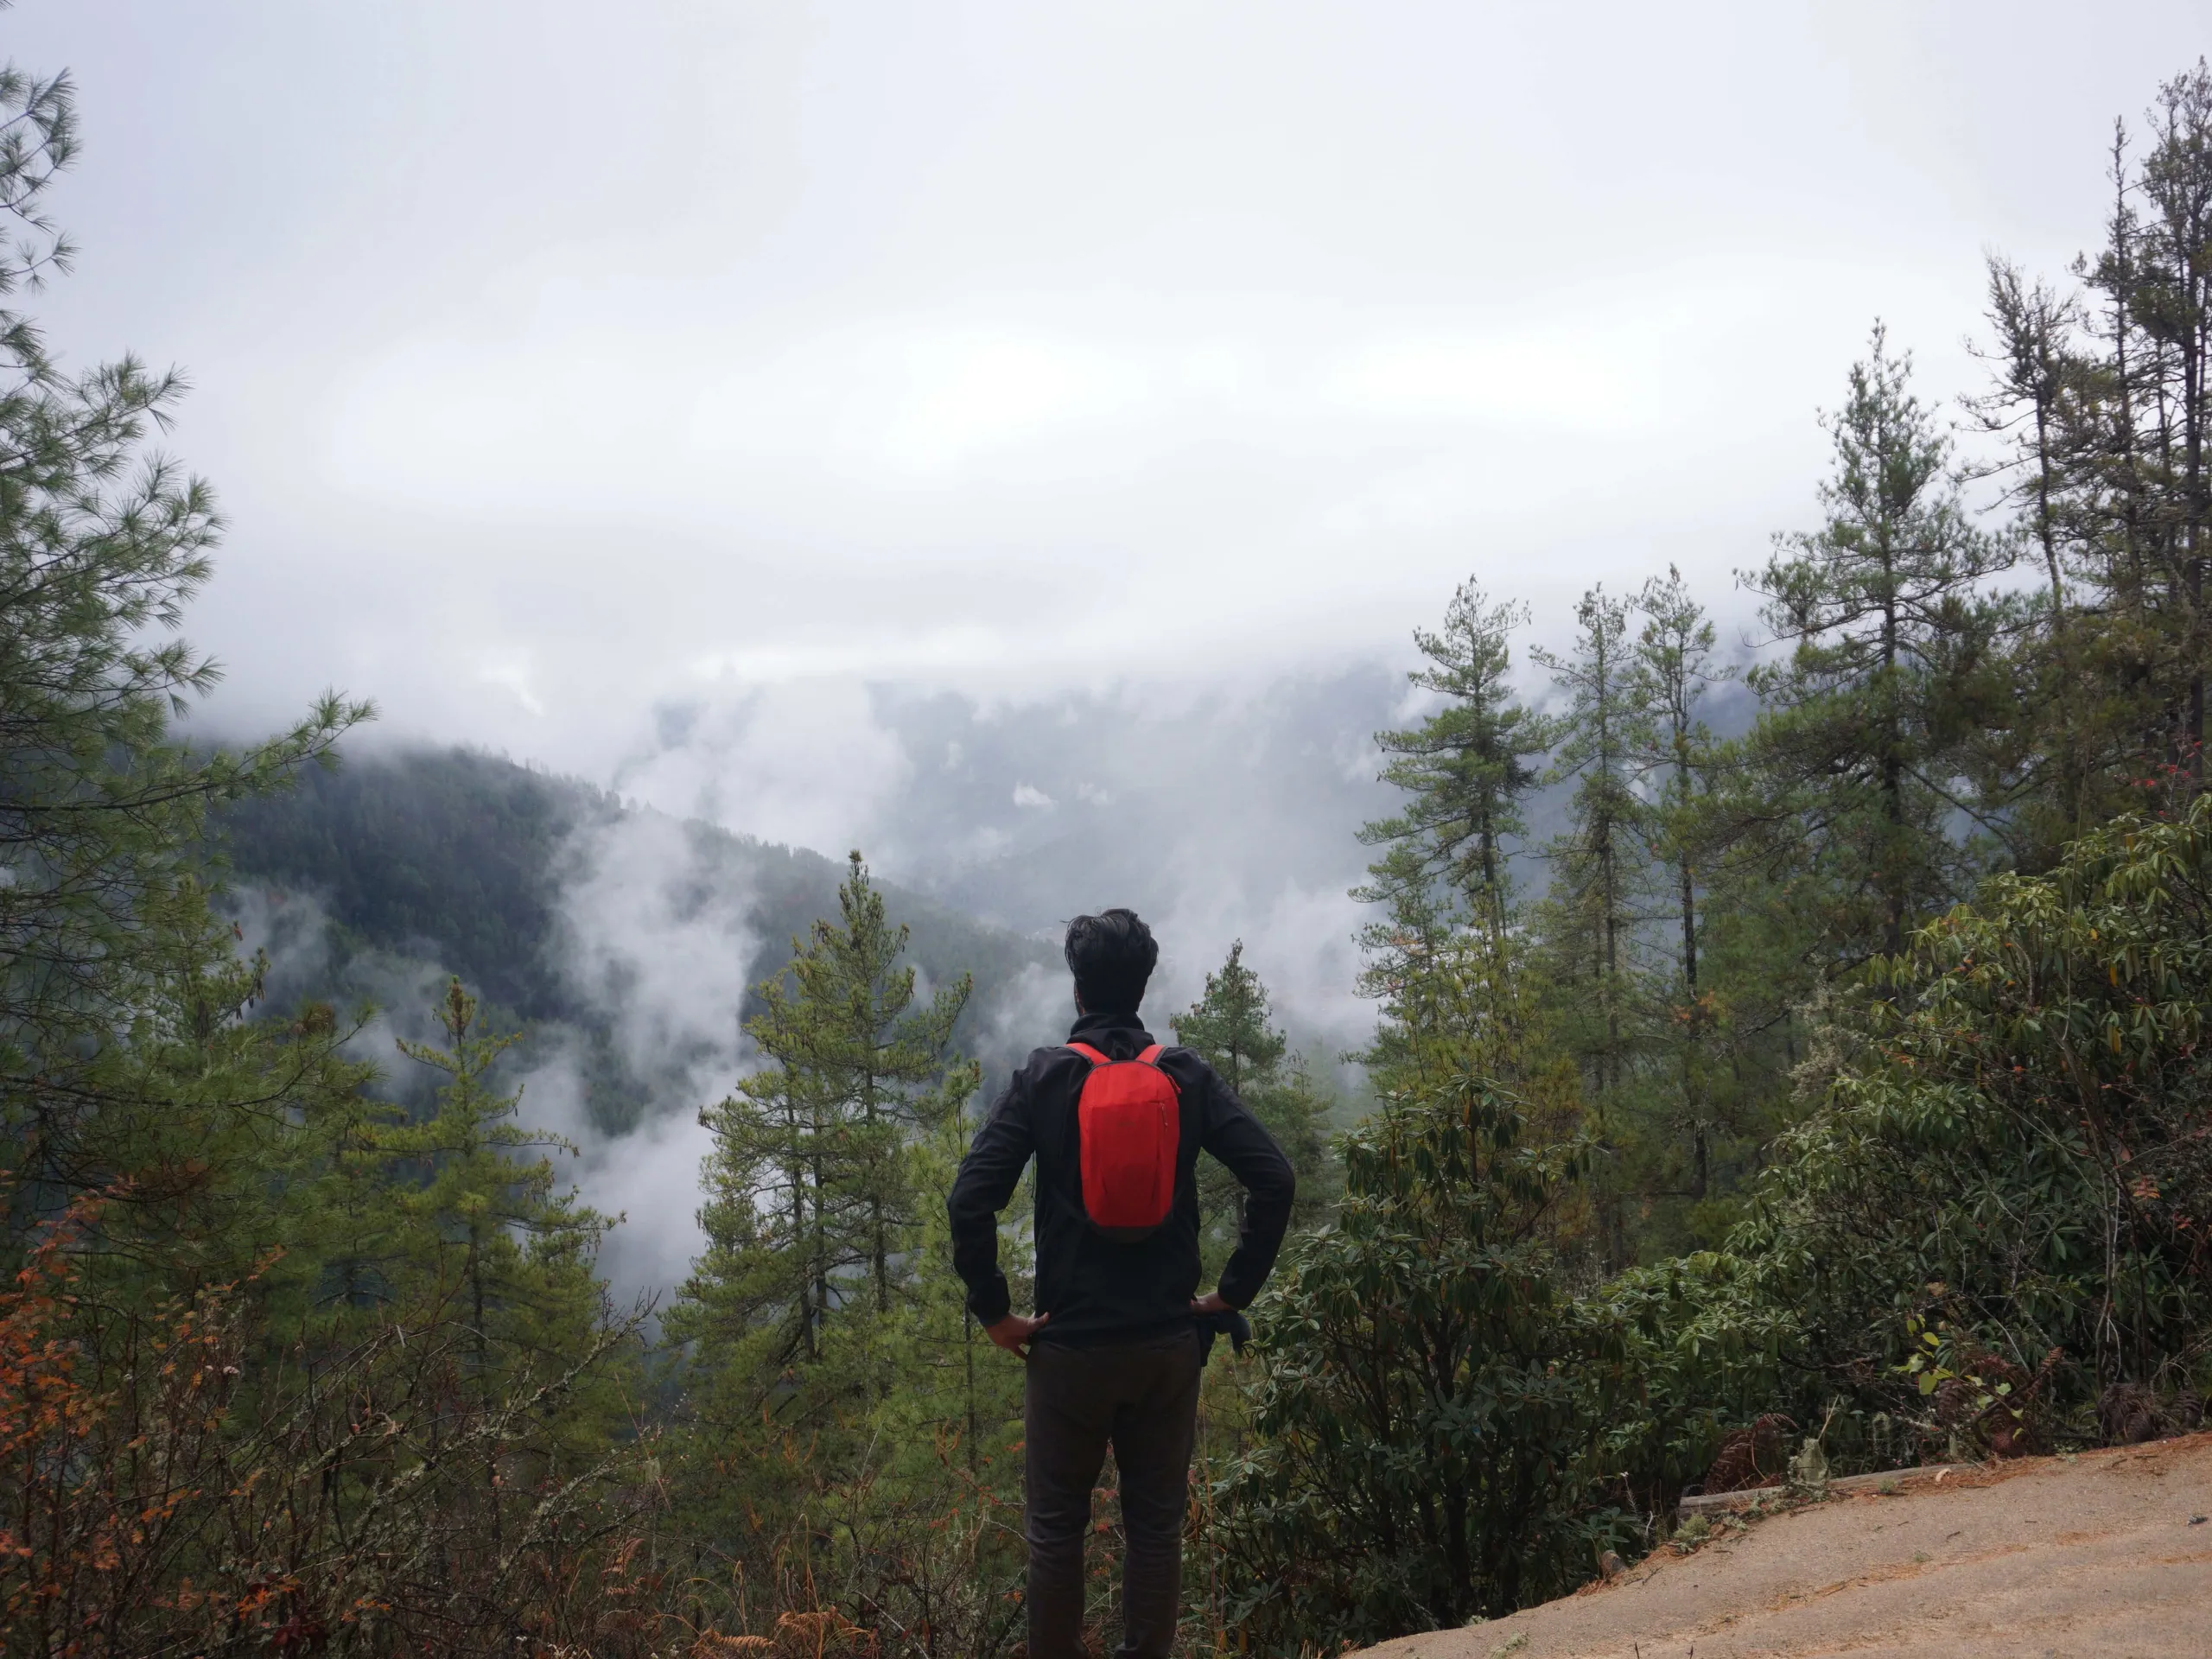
1277,1184
964,1219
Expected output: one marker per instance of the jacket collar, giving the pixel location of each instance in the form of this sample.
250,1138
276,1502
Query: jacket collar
1088,1026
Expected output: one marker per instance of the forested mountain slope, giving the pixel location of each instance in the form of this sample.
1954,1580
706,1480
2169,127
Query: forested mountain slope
565,909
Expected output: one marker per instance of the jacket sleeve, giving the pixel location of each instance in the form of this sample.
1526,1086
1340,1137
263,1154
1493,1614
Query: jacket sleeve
1237,1139
984,1186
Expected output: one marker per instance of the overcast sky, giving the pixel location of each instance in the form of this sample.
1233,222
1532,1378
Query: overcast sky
558,364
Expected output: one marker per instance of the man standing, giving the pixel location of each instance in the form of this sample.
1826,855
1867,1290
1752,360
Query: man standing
1116,1124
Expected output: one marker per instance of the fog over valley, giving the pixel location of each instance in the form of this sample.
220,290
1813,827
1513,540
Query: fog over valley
629,926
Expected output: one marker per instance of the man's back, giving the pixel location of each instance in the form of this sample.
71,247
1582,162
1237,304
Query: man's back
1095,1288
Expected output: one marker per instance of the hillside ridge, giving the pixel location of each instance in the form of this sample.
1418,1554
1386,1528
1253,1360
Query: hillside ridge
422,861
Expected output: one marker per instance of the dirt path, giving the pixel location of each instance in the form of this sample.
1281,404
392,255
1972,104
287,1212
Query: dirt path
2091,1557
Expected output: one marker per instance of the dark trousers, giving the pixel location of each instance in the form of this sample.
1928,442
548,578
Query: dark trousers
1142,1399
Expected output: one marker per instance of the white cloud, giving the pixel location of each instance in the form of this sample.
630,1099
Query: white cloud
650,935
647,1181
514,676
890,349
1029,795
801,761
1031,1009
658,939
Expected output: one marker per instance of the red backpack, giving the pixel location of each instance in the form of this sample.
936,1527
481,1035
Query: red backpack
1129,1122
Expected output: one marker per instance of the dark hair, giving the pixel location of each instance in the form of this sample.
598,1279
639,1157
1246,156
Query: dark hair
1111,957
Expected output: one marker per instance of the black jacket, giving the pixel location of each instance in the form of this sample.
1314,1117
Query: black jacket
1094,1288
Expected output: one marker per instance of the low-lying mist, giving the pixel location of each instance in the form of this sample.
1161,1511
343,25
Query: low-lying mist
1218,812
622,930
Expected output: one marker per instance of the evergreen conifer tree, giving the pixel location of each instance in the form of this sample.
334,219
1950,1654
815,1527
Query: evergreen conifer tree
487,1238
103,542
816,1200
1862,741
1229,1028
1673,754
254,1438
1426,1416
1600,872
2045,759
2137,486
2172,268
1464,769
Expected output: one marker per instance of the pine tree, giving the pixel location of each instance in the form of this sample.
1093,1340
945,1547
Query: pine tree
885,1072
2028,405
933,1515
1443,876
335,1208
2044,759
2106,402
1426,1415
1229,1028
1674,752
815,1200
1590,916
487,1232
102,805
2110,488
2172,264
2138,494
1465,770
1889,682
263,1441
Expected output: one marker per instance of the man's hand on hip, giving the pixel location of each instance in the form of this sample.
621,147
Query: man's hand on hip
1014,1331
1209,1303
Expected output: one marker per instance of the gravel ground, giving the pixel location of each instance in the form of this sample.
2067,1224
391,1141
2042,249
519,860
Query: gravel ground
2090,1557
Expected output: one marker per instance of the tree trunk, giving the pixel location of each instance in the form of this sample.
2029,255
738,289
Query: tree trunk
481,1347
879,1242
1893,872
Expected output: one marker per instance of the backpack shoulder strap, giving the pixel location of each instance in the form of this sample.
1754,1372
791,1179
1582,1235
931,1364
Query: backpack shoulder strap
1089,1053
1151,1056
